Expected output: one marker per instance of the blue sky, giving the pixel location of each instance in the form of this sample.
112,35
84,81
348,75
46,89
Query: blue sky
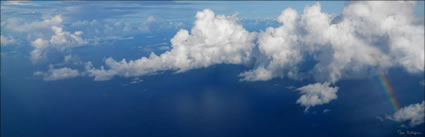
275,68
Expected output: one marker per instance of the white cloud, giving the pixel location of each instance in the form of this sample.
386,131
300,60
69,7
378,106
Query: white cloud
357,43
316,94
46,35
67,58
413,113
395,20
381,35
58,74
46,24
213,40
278,48
60,41
6,41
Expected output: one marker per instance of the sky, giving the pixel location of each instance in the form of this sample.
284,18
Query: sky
217,68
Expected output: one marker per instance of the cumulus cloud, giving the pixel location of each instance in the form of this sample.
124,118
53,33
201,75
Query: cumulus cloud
413,113
379,36
6,40
46,35
60,41
278,48
214,39
58,73
316,94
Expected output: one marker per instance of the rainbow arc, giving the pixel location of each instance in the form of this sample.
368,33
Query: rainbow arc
389,90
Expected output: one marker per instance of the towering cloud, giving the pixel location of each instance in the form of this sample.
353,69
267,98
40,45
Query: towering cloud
214,39
279,50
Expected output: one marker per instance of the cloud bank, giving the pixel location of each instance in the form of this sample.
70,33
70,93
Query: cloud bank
368,37
380,36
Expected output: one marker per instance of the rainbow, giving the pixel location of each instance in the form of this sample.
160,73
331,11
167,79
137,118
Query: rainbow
386,84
